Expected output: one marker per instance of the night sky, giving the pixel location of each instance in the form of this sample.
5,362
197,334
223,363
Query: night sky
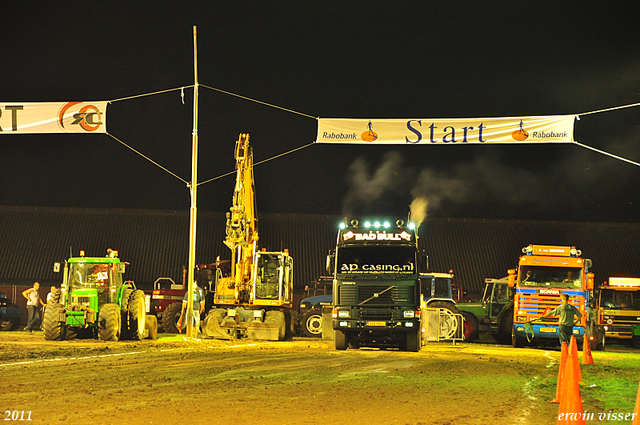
347,59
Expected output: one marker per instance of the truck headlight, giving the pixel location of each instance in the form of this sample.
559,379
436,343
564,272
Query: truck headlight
344,313
408,324
409,314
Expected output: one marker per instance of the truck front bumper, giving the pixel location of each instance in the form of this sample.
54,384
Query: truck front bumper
402,325
546,331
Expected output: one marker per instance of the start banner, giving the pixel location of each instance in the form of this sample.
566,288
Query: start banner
542,129
53,117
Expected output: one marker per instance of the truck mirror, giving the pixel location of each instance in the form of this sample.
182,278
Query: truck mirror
424,262
330,259
56,267
512,278
590,281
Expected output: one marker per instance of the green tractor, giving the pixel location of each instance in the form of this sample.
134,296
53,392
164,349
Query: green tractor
494,314
94,301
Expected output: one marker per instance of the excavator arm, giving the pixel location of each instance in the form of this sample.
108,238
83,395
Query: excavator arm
242,230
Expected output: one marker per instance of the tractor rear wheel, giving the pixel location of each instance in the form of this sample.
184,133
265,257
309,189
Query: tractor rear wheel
471,326
109,323
449,326
170,317
312,323
51,326
137,313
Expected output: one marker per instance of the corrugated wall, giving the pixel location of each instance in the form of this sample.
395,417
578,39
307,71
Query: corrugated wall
156,242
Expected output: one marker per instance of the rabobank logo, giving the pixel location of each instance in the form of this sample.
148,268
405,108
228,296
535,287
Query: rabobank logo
520,134
339,136
369,135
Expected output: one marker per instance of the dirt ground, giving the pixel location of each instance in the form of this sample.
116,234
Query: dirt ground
303,381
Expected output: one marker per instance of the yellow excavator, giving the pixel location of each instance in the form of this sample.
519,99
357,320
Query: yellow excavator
255,300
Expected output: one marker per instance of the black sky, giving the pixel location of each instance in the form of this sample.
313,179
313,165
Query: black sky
347,59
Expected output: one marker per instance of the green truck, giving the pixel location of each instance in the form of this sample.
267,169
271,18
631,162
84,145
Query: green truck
94,301
493,314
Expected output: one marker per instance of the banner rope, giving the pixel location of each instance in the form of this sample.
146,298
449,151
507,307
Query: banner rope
610,109
607,153
148,159
258,163
152,93
259,101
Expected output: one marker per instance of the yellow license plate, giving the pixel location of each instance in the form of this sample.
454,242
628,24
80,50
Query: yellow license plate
376,323
548,330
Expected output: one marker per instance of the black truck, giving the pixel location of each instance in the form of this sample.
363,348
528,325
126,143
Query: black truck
376,290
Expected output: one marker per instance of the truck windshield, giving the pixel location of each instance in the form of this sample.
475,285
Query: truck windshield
377,260
551,277
623,300
88,275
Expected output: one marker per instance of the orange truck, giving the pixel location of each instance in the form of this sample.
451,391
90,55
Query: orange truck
619,308
543,275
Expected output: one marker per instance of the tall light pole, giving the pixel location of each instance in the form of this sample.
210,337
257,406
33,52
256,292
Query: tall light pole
193,212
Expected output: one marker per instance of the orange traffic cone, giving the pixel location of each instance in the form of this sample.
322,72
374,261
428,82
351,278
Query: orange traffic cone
563,361
587,358
636,411
573,351
570,409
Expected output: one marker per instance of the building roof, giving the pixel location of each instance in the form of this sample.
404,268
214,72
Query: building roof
155,243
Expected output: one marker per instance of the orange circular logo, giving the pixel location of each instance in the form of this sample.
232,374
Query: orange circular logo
369,136
520,135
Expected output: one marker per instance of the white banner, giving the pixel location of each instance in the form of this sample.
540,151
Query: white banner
53,117
544,129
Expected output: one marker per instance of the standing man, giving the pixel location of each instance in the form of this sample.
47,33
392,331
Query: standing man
33,298
198,308
566,312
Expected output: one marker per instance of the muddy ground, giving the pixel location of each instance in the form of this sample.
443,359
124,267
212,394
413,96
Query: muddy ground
303,381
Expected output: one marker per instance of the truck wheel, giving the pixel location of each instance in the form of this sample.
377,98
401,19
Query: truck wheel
109,323
170,317
312,323
413,341
50,325
471,326
340,340
137,313
151,327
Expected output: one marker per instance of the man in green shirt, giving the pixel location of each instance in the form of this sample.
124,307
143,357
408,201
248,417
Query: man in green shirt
566,312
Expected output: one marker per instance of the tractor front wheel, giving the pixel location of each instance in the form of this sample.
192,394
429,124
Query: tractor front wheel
51,325
137,313
109,323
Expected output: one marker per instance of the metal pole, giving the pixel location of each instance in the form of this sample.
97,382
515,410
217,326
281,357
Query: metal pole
194,187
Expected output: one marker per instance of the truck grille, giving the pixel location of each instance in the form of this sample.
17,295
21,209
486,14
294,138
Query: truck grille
376,295
372,314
